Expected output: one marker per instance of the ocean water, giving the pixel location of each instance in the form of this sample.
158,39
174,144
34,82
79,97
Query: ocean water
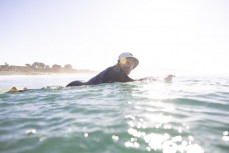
190,115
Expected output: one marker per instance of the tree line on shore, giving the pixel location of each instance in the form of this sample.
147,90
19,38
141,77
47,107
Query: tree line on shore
37,67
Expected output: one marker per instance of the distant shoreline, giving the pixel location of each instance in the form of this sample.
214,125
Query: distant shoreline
38,68
4,73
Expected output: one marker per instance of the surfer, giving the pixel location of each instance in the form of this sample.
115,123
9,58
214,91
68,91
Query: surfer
117,73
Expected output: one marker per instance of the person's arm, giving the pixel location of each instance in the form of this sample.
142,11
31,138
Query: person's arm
75,83
167,79
116,75
147,79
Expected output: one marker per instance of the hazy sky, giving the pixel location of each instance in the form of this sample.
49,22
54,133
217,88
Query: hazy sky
163,34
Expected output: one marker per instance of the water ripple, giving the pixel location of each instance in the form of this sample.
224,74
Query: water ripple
188,116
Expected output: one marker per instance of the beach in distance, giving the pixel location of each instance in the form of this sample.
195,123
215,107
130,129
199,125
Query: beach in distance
39,68
8,73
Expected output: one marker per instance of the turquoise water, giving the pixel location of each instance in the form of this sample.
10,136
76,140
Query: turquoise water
191,115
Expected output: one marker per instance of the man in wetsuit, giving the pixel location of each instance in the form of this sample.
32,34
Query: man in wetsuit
117,73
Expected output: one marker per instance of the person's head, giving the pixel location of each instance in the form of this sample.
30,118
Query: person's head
127,62
14,88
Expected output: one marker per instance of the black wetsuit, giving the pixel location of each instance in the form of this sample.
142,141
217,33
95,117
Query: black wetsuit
109,75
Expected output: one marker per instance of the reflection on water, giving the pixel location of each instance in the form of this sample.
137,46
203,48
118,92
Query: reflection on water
225,136
187,116
153,127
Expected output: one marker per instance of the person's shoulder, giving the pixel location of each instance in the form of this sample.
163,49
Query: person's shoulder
110,69
115,69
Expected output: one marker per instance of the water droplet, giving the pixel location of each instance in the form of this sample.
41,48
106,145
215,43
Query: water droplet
128,144
180,129
158,125
115,138
184,143
131,123
191,138
30,131
177,138
85,135
136,145
148,148
139,125
42,138
130,117
138,107
225,138
167,126
133,139
225,133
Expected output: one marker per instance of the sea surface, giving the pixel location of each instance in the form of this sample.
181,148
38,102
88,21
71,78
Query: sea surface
190,115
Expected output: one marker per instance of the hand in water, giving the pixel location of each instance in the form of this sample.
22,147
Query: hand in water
169,78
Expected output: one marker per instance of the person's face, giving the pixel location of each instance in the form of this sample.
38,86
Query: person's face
127,65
